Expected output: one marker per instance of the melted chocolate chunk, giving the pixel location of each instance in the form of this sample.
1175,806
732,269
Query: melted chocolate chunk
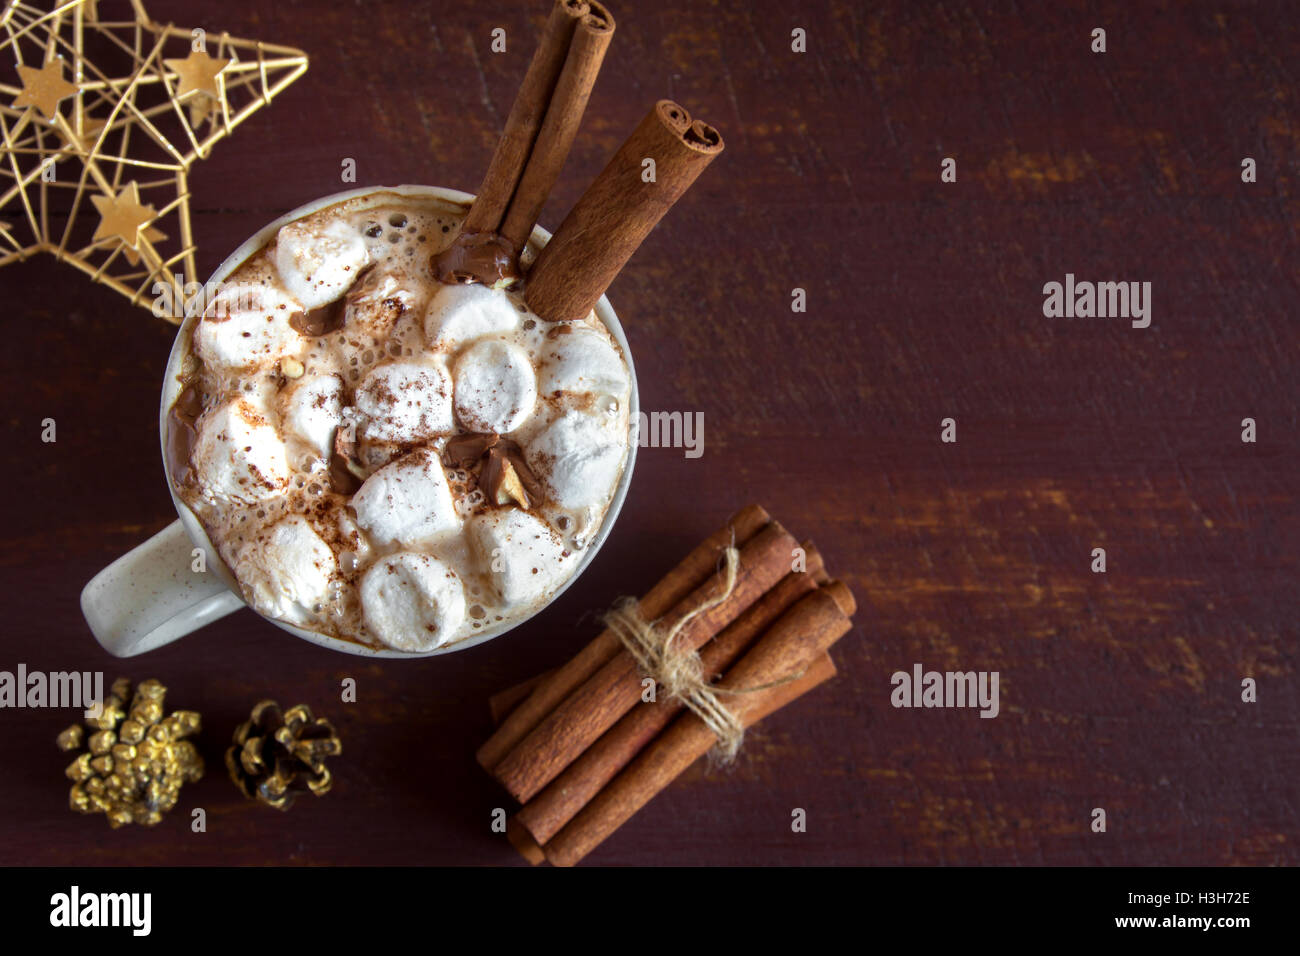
488,455
464,451
475,257
329,317
344,479
322,321
366,281
531,486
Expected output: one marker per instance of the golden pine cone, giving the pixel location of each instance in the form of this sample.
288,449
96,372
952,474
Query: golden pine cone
277,755
135,760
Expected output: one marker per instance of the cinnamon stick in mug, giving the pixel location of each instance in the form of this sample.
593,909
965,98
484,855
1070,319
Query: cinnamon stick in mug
525,119
550,810
789,648
618,210
689,574
616,688
591,38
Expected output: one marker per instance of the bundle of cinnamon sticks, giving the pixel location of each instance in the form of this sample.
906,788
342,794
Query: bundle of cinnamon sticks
650,172
583,747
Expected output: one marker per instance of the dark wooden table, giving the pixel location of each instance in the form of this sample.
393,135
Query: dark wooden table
1119,690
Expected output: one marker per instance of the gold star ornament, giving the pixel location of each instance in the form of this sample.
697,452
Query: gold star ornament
95,149
43,88
198,73
123,215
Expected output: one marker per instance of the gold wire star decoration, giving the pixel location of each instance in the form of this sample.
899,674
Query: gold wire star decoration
198,73
44,87
123,215
100,122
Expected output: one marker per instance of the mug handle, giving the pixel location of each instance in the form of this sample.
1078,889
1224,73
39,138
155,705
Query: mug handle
150,596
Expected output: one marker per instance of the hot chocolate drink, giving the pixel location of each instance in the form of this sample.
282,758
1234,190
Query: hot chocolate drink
385,458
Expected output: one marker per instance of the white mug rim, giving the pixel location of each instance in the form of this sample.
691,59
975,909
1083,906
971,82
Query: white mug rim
194,528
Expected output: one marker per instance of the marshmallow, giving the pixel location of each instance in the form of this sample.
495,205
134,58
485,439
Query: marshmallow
286,573
578,460
495,387
407,502
412,601
523,558
582,361
247,325
310,409
238,454
318,263
459,314
405,402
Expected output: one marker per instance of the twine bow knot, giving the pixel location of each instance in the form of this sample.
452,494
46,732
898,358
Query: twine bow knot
680,672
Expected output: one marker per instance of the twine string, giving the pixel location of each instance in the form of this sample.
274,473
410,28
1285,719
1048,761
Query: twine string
680,672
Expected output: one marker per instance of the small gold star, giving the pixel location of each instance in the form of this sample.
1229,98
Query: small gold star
202,109
154,236
44,87
198,73
122,215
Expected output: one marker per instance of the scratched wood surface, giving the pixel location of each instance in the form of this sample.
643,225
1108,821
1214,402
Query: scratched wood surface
1120,691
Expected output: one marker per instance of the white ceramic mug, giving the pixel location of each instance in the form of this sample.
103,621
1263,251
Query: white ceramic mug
151,596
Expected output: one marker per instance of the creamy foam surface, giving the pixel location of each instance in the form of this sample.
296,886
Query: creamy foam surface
332,371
